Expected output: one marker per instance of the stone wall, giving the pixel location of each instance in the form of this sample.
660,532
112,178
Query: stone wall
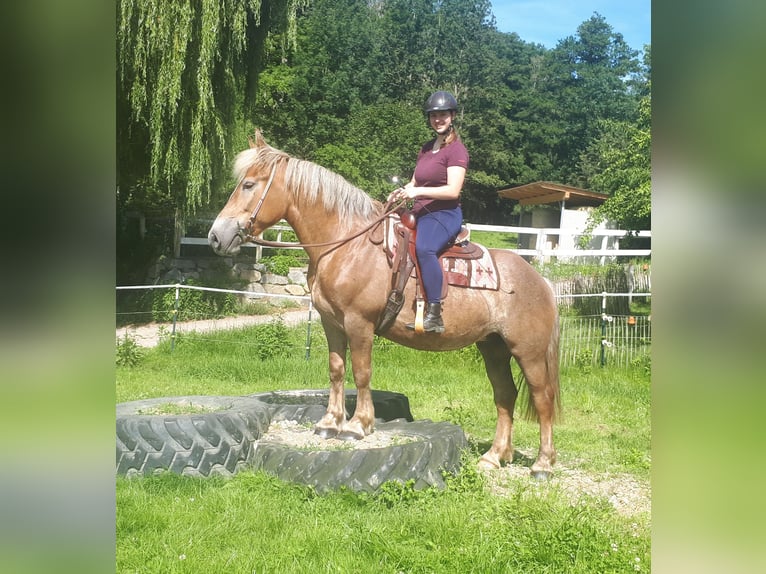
255,276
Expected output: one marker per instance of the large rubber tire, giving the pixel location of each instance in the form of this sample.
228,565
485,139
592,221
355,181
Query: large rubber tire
310,405
437,448
227,440
215,443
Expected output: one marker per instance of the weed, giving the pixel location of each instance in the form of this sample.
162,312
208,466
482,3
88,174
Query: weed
129,353
394,492
584,361
271,339
468,479
459,415
643,363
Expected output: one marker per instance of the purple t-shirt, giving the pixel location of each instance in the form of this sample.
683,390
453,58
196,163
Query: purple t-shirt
431,171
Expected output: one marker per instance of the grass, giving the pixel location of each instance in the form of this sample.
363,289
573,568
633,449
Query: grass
495,239
256,523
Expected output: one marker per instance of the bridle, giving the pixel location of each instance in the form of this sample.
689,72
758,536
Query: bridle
246,236
244,232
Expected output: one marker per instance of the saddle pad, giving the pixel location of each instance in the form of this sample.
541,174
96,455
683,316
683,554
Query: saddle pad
477,272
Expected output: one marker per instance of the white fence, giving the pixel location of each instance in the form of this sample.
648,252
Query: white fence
280,229
542,251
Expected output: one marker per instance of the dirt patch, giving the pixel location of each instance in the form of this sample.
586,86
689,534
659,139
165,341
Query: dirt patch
149,335
628,496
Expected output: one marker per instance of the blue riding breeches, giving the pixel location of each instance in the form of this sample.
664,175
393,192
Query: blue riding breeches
435,231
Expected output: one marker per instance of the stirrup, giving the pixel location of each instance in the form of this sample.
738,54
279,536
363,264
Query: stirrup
418,324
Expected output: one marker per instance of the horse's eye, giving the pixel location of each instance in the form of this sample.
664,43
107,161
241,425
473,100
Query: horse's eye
248,185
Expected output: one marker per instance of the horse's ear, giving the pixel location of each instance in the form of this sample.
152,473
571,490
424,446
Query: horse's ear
258,141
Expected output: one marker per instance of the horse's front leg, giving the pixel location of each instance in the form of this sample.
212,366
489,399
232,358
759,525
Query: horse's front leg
331,424
363,421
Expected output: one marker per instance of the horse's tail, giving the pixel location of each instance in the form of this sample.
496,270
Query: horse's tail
552,379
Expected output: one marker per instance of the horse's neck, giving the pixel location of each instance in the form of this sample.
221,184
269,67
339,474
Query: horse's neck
314,225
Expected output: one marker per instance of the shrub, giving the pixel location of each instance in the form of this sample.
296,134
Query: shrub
192,304
280,264
271,339
129,353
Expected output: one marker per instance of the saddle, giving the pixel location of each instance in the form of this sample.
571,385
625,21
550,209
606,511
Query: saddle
456,261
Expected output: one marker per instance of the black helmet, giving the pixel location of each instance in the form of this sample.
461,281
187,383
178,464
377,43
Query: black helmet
440,101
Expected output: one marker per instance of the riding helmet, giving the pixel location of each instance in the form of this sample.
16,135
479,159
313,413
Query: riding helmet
440,101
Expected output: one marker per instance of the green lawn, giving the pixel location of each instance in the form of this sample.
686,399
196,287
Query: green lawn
479,523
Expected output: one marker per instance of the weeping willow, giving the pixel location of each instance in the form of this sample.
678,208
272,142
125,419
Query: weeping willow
184,67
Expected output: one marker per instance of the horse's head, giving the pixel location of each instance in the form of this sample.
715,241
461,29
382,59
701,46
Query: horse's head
255,203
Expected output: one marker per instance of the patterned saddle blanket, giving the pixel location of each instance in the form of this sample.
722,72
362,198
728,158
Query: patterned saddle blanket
465,264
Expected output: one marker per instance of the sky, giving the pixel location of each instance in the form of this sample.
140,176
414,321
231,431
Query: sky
548,21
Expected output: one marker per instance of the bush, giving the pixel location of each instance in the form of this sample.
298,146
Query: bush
192,304
129,353
271,340
280,264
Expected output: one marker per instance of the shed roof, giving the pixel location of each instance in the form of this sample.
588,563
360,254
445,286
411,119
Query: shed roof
550,192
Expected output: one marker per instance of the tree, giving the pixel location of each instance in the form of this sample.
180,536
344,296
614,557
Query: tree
619,162
592,78
183,71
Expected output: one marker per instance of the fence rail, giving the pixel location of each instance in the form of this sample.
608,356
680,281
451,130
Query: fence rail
540,252
599,339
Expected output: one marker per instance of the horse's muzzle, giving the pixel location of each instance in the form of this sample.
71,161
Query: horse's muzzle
225,237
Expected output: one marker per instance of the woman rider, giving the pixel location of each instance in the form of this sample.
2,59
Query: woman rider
435,188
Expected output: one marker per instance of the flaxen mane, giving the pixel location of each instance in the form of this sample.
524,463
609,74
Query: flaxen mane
311,182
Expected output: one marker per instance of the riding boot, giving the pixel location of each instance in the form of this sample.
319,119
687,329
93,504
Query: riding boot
432,322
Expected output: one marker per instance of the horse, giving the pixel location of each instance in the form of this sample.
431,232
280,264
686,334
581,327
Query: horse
349,276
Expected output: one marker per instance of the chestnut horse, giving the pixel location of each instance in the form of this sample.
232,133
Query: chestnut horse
349,278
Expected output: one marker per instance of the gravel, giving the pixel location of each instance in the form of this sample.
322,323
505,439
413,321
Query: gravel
628,495
302,437
149,335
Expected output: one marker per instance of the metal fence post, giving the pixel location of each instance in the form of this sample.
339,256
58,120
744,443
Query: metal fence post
175,318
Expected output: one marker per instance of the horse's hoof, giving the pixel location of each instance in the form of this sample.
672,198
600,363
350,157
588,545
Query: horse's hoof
542,475
486,463
323,432
350,435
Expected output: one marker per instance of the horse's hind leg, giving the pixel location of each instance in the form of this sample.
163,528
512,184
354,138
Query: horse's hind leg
497,360
543,403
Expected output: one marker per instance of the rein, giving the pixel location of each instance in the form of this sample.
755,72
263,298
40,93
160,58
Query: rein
244,232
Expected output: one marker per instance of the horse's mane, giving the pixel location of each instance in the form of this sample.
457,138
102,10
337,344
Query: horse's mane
304,179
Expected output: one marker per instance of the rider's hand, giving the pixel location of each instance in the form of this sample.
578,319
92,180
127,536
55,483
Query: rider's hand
397,195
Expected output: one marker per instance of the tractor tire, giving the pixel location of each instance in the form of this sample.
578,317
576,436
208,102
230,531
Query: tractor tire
220,442
310,405
437,448
227,440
